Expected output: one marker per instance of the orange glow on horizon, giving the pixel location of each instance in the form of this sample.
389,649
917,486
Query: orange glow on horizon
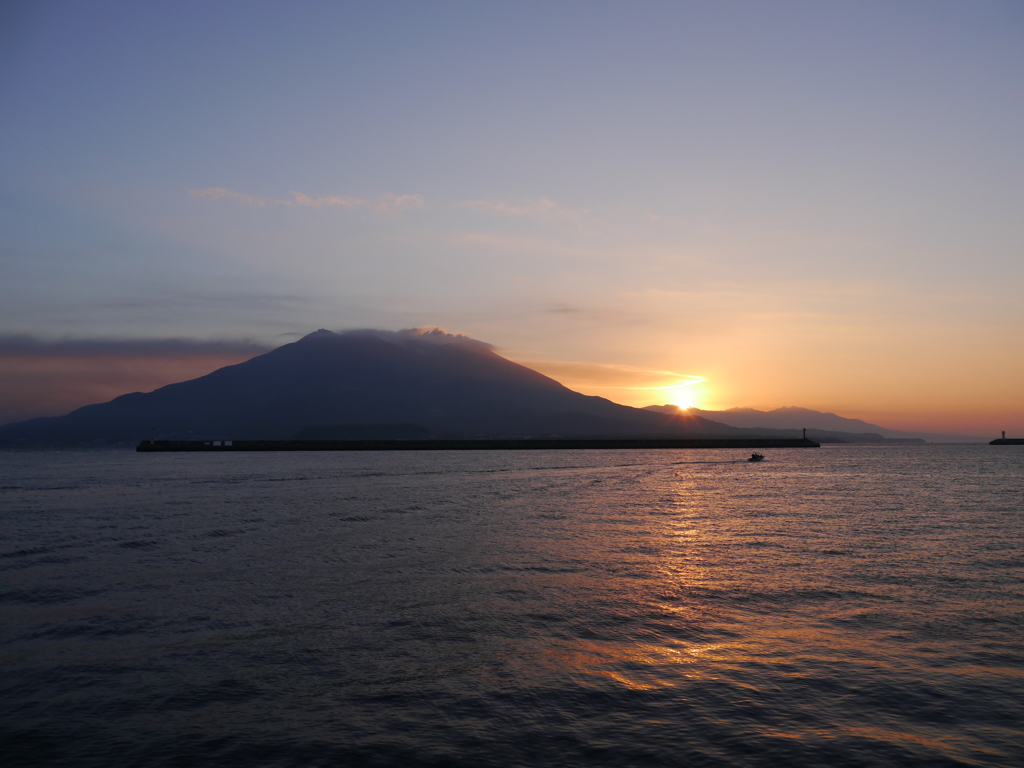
626,385
52,386
687,394
854,396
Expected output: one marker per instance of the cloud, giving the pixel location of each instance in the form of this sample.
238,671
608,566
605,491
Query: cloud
541,208
609,376
322,202
29,346
433,334
40,377
397,202
219,193
384,204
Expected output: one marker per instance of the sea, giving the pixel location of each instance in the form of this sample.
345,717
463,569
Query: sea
841,606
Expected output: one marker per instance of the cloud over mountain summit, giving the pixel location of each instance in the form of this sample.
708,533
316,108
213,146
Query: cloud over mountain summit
447,383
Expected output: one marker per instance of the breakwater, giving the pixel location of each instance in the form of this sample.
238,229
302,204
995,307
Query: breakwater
515,444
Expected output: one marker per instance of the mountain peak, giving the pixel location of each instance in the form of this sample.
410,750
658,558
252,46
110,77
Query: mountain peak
667,408
443,383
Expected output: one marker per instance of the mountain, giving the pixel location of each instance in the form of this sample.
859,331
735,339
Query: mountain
818,424
360,382
798,418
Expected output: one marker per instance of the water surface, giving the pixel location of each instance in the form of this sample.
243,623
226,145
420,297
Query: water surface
846,606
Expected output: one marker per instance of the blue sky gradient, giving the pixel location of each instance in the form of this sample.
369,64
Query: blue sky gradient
801,203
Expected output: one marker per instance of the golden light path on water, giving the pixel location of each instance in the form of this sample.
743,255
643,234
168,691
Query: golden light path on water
758,565
843,606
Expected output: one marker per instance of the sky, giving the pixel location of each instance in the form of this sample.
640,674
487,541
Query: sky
720,204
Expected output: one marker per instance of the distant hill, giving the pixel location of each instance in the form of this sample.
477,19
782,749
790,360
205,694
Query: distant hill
818,424
361,382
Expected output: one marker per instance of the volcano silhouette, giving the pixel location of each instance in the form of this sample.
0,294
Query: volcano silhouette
362,383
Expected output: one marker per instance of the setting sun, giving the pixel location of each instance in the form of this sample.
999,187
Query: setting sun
685,394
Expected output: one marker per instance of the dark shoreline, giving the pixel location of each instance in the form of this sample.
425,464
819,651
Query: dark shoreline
159,446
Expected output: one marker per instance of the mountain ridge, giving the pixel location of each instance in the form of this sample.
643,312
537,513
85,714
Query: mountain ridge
451,385
796,418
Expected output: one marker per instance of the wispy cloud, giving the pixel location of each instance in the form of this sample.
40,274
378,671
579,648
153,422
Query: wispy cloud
610,376
219,193
46,377
541,208
305,201
397,202
434,334
384,204
17,345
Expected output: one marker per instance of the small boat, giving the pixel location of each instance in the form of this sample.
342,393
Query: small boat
756,457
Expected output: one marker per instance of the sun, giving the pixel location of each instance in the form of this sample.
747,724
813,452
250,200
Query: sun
685,394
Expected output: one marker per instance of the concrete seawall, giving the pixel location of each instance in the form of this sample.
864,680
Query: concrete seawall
158,446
